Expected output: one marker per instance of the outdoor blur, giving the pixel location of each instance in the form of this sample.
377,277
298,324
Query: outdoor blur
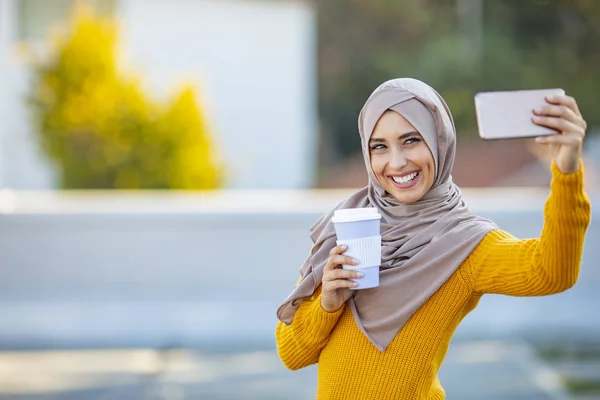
162,161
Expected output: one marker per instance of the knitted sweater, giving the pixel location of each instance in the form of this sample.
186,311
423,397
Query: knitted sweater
350,367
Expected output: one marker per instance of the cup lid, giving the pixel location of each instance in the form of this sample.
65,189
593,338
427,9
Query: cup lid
355,214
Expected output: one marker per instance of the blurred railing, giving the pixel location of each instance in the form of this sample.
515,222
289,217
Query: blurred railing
185,269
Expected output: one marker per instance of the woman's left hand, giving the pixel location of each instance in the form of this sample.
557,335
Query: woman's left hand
562,114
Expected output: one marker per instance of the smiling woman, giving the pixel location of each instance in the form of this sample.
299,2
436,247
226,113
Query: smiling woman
437,259
400,158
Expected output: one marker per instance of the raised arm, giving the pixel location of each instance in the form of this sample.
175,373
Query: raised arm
503,264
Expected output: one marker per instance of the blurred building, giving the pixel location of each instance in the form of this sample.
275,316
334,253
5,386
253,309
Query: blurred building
254,63
478,163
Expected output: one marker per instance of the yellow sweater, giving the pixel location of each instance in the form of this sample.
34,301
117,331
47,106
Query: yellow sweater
350,367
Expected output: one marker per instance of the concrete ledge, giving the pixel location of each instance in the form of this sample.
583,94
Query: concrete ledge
99,268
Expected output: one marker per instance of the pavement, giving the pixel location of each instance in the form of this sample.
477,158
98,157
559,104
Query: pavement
493,370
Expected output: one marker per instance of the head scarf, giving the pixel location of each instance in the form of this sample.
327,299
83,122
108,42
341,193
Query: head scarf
423,243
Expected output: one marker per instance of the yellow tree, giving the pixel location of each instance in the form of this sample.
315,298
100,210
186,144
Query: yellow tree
102,131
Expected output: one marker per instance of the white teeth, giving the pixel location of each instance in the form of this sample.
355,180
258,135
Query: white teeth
405,179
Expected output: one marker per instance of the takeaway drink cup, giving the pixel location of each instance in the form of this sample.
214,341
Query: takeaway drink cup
359,229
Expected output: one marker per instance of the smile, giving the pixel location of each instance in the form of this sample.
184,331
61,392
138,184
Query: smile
406,181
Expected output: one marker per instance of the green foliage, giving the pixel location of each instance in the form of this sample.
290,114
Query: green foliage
103,131
524,45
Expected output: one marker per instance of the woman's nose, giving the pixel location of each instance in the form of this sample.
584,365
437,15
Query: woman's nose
398,160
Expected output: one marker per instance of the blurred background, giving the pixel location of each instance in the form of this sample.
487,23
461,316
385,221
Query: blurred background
162,161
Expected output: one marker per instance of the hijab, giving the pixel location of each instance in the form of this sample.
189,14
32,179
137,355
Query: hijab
423,243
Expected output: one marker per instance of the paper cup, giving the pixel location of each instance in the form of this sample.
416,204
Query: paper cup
356,223
368,252
359,229
370,278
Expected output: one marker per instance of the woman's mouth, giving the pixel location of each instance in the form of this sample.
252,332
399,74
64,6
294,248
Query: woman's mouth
406,181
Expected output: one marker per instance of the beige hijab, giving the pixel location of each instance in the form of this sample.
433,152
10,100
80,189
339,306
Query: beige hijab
422,243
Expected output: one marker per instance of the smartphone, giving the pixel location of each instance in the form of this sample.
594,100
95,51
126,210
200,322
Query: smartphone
507,114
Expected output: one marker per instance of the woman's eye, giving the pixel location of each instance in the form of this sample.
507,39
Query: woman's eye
412,140
377,147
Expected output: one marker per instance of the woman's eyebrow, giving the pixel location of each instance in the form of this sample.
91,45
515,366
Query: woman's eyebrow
403,136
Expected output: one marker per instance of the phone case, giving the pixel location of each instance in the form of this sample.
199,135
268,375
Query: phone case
507,114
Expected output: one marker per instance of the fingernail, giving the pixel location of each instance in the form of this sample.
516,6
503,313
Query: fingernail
539,139
537,110
344,247
354,284
356,261
537,119
359,274
550,98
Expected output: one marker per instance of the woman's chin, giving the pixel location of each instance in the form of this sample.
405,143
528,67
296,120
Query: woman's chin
408,196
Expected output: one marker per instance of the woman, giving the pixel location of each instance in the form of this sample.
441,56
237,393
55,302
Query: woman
437,258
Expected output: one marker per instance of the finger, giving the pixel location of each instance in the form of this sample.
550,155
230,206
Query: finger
332,286
571,140
336,262
560,111
560,124
338,249
332,254
565,100
344,260
344,274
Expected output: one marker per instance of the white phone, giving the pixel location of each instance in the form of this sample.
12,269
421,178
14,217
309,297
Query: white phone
507,114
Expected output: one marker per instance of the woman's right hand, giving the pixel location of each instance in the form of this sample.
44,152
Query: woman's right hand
336,286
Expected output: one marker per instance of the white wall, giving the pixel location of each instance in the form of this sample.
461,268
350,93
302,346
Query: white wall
254,62
99,269
22,165
3,82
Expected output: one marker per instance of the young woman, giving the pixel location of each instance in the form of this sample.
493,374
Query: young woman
437,258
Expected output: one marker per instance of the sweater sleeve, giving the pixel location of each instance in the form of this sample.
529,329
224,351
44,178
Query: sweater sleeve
299,344
503,264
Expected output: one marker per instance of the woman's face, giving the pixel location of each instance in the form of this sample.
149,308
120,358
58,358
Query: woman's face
400,158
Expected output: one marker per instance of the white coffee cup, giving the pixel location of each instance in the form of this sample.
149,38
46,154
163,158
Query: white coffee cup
360,230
